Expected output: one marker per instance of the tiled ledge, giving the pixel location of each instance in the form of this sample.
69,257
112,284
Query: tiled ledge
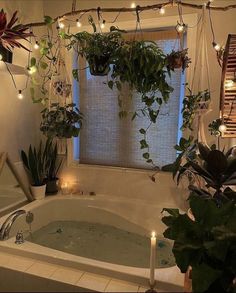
25,274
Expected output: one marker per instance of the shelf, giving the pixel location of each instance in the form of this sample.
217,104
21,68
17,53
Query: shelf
14,69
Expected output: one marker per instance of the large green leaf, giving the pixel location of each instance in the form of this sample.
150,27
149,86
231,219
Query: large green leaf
203,276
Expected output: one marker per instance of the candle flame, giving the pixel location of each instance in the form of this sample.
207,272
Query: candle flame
153,234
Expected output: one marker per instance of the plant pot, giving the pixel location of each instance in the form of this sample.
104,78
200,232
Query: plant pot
175,62
188,281
38,192
99,65
52,187
6,54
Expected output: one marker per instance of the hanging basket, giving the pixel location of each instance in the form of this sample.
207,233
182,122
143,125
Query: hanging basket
99,65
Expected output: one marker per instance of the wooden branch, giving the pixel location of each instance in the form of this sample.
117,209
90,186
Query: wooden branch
170,3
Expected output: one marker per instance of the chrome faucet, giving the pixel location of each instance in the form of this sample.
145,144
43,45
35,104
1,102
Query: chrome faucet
6,226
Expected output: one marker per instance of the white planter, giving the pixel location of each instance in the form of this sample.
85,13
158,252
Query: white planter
38,192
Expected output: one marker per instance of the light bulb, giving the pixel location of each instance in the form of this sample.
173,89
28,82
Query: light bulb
162,10
103,24
1,57
180,27
20,95
229,83
222,128
61,24
132,5
153,234
32,70
36,45
216,46
78,23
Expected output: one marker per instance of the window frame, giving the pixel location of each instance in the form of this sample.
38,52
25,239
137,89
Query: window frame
149,23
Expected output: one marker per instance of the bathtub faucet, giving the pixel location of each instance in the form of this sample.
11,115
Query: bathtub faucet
6,226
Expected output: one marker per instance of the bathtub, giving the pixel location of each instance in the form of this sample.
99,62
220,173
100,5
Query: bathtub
133,216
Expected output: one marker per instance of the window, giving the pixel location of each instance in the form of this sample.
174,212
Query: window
106,139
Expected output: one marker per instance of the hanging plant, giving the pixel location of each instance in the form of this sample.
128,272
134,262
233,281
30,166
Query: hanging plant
192,103
61,121
213,127
178,59
97,48
11,33
142,66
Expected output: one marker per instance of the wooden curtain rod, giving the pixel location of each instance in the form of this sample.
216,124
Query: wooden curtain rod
140,8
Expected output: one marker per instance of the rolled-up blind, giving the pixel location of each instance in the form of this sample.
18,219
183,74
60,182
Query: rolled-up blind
110,141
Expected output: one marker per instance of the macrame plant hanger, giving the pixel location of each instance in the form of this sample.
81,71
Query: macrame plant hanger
60,92
202,81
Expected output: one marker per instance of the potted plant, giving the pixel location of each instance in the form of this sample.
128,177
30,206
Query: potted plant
10,33
97,48
34,163
205,245
205,236
178,59
61,121
53,164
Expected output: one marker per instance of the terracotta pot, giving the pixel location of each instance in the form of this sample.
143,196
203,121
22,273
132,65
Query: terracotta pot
52,187
38,192
188,281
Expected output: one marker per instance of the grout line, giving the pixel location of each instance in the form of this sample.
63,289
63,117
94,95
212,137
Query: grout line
79,278
107,285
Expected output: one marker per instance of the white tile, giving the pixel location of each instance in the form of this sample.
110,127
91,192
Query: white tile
121,286
42,269
93,282
20,263
65,275
4,258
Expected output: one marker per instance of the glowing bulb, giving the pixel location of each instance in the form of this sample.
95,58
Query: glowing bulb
20,95
61,24
132,5
162,10
180,27
78,23
153,234
216,46
1,57
222,128
36,45
229,83
103,24
32,70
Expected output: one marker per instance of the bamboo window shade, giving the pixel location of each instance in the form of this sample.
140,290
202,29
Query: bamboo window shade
228,94
106,139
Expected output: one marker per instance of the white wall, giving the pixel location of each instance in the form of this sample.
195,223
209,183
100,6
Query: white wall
19,119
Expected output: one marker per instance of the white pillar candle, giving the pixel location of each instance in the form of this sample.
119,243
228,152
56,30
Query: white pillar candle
153,259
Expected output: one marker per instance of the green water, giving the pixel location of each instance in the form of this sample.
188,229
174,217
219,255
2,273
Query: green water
102,242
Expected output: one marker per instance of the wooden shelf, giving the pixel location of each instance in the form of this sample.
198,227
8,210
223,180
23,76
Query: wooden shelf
14,69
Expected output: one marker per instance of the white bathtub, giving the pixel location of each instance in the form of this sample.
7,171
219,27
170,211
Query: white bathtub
138,217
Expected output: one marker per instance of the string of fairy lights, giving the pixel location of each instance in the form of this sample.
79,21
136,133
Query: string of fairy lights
64,22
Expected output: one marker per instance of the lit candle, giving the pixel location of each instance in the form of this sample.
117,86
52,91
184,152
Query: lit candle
153,259
65,189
